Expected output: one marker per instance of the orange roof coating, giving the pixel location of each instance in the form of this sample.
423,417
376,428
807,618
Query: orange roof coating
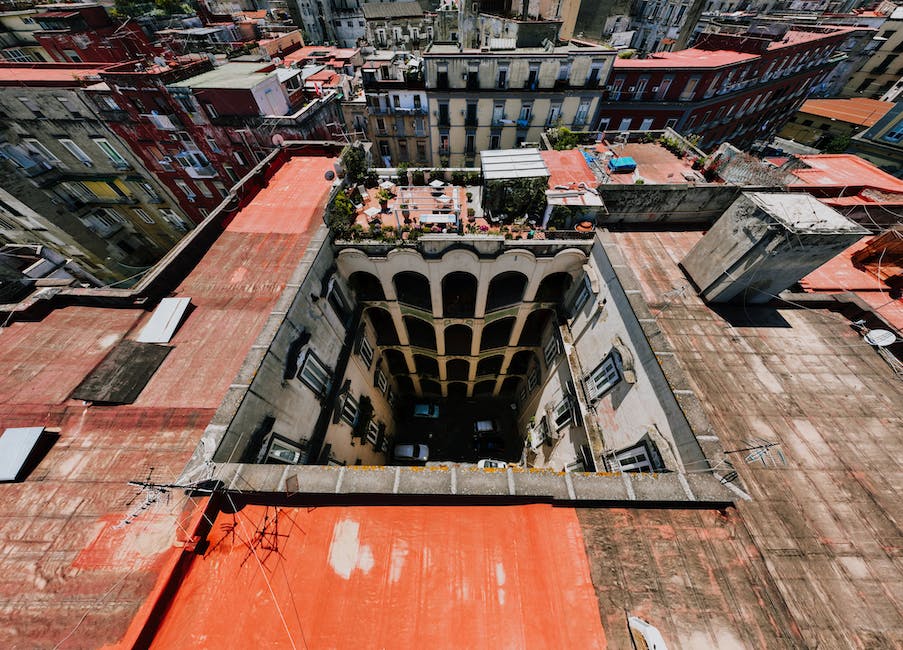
237,282
839,275
858,110
51,74
844,170
691,58
388,577
73,574
566,167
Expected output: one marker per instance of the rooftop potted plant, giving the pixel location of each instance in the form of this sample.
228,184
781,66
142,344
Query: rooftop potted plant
383,197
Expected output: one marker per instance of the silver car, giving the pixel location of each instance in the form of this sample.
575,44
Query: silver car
412,452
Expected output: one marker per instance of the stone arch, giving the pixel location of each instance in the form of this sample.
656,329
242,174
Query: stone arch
412,288
383,325
366,286
534,326
497,334
458,339
459,295
457,369
506,289
420,333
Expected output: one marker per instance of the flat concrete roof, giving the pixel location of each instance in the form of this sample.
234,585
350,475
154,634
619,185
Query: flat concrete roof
803,213
231,75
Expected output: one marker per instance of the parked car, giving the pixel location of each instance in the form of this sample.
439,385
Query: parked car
426,410
489,463
483,427
416,452
487,445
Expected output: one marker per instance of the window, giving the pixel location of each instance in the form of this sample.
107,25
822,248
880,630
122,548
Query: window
373,432
211,111
213,146
72,56
502,81
223,192
108,217
563,413
381,382
67,104
111,153
204,190
144,216
313,373
526,112
183,186
554,114
551,350
366,351
76,151
350,410
230,173
40,149
239,158
175,220
604,377
582,112
151,193
494,141
895,134
469,143
533,379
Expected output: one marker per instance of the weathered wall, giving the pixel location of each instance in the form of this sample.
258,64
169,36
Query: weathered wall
689,204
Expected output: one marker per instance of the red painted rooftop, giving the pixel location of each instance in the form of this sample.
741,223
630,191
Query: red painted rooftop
857,110
568,167
794,37
388,577
72,572
691,58
868,282
844,170
50,74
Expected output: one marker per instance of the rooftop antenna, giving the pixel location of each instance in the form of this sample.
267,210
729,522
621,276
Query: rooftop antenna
759,449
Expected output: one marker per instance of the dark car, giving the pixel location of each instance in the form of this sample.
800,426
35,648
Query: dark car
488,445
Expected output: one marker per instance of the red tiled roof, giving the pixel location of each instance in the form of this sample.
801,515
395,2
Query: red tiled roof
858,110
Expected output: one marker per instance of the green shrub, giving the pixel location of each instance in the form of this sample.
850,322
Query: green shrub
341,215
417,177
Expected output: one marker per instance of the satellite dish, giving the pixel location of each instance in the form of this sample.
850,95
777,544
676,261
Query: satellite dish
329,174
278,140
880,338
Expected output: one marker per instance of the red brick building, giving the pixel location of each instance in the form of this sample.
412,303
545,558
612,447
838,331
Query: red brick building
199,129
736,87
76,33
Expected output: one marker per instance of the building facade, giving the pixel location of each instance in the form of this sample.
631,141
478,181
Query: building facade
885,66
500,99
733,87
201,129
77,186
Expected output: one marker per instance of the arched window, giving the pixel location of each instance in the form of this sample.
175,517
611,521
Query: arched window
383,325
506,289
497,334
458,339
366,286
420,333
413,289
459,295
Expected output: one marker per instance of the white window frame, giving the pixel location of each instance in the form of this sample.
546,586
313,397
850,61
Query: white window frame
605,377
314,373
561,409
175,220
143,215
373,432
533,379
381,382
583,295
37,147
186,190
550,350
77,152
109,151
365,350
350,410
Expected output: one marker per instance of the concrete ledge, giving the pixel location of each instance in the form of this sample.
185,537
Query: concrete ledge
467,483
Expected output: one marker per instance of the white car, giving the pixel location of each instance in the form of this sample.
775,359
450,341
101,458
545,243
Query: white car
426,410
488,463
412,452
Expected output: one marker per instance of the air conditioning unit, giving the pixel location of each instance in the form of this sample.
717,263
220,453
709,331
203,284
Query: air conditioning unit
655,89
631,89
87,163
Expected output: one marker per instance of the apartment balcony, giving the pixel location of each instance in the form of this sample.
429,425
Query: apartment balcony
206,171
524,124
164,122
